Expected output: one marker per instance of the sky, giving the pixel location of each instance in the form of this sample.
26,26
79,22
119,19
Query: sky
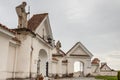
95,23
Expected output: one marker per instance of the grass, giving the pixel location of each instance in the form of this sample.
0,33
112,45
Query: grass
106,77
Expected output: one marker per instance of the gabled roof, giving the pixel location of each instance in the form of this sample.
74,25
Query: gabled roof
35,21
82,47
102,66
62,52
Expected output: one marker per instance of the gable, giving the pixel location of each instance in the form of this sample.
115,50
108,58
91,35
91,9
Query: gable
79,50
105,68
41,30
35,21
40,25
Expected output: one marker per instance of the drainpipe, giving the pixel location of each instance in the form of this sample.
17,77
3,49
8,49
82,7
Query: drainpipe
30,74
14,64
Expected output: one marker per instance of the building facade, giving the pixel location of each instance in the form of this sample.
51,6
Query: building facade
101,69
31,51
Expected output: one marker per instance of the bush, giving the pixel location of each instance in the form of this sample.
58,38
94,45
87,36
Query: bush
106,77
118,75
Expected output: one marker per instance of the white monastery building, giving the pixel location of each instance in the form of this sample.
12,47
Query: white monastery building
30,51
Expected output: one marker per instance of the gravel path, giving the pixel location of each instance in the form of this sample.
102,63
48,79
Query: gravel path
81,78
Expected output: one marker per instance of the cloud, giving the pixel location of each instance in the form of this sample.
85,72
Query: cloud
114,55
112,58
93,22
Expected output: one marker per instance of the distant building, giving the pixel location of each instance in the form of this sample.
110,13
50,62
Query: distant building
101,69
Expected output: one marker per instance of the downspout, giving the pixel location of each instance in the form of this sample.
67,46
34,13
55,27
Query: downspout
14,64
30,74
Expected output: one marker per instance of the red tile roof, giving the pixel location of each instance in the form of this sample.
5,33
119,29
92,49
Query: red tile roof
95,61
35,21
6,28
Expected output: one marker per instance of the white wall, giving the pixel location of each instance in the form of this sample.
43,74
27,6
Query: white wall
4,48
11,60
40,30
54,67
64,68
23,62
109,73
86,63
95,69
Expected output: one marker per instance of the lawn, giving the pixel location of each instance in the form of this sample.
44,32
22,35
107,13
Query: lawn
106,77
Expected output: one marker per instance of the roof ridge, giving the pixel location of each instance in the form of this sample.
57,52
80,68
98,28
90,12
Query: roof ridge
83,47
41,14
72,47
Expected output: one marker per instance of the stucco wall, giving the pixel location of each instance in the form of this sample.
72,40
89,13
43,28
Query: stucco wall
64,68
86,64
23,62
42,30
54,67
109,73
95,69
11,60
4,47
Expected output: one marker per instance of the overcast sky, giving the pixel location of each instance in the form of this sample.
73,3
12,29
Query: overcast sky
95,23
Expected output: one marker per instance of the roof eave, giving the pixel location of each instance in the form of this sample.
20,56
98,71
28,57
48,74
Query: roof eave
6,32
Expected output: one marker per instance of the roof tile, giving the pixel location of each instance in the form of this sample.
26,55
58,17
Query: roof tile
35,21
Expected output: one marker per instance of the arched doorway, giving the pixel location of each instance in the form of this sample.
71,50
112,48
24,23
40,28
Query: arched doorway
78,68
42,66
